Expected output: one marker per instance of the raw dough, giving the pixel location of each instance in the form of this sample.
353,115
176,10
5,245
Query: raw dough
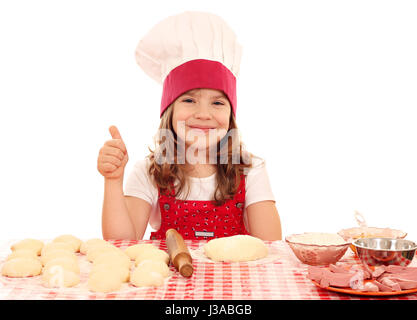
31,244
133,251
57,253
56,245
154,266
21,267
89,243
141,278
111,257
73,241
97,250
57,276
22,253
152,254
113,268
65,262
104,281
236,248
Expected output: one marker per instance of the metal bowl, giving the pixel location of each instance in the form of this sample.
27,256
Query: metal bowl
385,251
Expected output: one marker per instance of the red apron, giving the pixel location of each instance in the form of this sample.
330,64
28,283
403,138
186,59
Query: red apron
197,219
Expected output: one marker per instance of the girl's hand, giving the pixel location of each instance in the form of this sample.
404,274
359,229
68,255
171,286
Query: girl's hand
113,157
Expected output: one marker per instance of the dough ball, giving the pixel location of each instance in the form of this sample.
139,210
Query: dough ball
122,271
22,253
133,251
21,267
57,276
113,257
57,253
235,249
95,251
152,254
73,241
56,246
144,278
31,244
154,266
104,281
92,242
64,262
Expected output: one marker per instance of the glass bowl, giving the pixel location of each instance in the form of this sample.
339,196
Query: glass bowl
315,254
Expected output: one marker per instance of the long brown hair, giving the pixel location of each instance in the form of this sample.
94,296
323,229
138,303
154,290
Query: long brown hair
228,174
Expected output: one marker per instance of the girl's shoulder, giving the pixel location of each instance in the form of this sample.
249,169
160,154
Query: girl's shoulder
257,162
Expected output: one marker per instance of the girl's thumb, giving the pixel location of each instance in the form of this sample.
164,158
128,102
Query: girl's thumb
115,134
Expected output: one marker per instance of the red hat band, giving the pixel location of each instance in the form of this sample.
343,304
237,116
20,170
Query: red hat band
199,73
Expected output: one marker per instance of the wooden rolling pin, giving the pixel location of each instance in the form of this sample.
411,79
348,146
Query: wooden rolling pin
178,253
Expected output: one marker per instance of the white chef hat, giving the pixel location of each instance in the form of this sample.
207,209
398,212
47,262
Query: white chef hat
188,51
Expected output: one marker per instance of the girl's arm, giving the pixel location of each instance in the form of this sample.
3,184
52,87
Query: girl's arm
116,222
264,222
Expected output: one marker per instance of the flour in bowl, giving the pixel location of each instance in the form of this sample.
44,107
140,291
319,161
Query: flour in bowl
318,238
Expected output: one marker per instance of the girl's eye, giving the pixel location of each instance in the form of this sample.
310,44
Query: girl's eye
218,103
187,100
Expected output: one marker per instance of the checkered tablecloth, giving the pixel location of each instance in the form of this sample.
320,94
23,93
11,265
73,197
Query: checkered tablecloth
279,276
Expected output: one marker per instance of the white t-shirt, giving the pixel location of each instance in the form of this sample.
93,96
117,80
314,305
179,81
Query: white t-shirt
138,184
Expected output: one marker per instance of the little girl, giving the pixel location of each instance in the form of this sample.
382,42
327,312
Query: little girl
223,190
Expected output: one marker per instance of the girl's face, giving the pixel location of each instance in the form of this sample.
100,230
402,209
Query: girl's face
201,117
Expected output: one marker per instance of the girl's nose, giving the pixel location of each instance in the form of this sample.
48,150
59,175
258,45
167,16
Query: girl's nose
202,111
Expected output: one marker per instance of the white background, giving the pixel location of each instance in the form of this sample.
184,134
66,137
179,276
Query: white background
326,94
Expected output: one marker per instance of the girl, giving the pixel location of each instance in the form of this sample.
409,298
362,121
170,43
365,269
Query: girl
221,191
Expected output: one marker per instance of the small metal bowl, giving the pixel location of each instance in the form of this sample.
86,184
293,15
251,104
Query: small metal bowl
385,251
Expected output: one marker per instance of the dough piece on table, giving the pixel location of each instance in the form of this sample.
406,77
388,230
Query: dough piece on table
113,268
72,240
113,257
21,267
55,246
31,244
92,242
149,273
152,254
236,249
65,262
95,251
22,253
104,280
57,276
133,251
57,253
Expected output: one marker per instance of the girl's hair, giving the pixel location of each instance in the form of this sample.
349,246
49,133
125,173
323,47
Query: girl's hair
228,174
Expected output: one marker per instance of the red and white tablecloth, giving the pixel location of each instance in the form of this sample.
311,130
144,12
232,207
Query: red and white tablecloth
279,276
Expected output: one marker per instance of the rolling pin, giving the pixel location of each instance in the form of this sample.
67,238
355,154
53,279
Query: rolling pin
178,253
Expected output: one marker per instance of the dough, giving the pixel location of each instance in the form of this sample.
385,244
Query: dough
142,278
154,266
22,253
55,246
235,249
152,254
104,281
31,244
92,242
57,277
57,253
123,272
73,241
65,262
133,251
113,257
95,251
21,267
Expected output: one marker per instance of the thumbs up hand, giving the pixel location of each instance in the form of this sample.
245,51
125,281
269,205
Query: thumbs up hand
112,157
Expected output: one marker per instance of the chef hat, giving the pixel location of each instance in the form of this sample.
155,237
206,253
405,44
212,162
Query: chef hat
188,51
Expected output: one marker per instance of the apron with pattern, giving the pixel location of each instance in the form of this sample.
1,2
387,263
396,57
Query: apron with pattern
198,219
